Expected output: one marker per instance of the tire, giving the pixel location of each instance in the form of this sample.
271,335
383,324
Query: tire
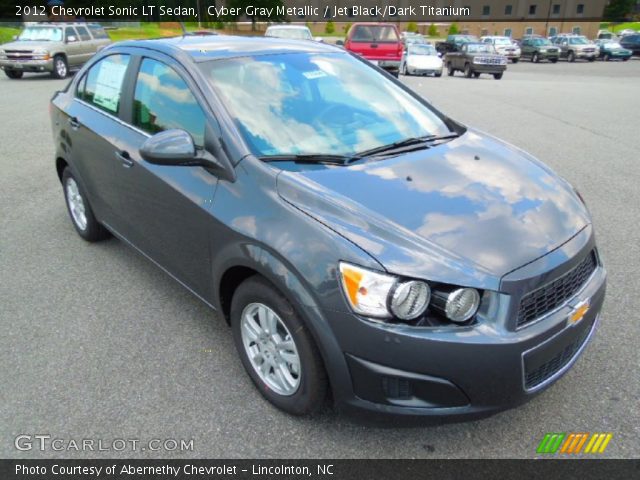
592,59
497,76
405,72
467,71
476,74
438,75
625,59
82,217
60,67
450,70
298,391
535,58
515,60
571,57
554,60
13,74
607,57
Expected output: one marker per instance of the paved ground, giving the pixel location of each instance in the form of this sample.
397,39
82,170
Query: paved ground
98,343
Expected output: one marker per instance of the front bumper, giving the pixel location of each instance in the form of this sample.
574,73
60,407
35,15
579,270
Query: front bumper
393,65
424,71
484,68
461,372
27,65
587,55
548,55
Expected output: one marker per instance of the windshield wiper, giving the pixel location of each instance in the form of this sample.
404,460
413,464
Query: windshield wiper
320,158
419,142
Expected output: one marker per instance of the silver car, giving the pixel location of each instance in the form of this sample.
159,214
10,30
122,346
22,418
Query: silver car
53,47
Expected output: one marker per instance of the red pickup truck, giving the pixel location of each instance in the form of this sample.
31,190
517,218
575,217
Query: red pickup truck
377,42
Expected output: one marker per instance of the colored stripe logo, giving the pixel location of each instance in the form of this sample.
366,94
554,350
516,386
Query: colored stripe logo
574,443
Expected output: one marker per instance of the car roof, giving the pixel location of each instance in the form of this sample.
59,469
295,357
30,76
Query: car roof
289,27
205,48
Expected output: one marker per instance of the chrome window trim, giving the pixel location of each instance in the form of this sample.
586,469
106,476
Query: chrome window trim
112,117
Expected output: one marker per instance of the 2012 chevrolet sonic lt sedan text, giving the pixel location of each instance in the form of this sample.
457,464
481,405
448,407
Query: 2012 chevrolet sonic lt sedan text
362,245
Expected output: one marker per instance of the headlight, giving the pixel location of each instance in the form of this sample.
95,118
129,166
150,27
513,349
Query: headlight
41,54
367,291
2,54
410,299
458,305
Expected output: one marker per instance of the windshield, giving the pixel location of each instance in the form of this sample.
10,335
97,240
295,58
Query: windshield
41,34
293,33
541,41
479,48
578,41
306,104
611,45
502,41
464,39
422,50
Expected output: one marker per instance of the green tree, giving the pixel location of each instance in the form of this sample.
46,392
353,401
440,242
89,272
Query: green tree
346,28
617,10
412,27
453,29
329,28
433,30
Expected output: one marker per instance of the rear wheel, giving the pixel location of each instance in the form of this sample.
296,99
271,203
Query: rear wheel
450,70
13,74
625,59
497,76
515,60
535,58
439,74
476,74
405,70
592,59
80,211
276,348
607,57
467,70
60,67
571,57
553,60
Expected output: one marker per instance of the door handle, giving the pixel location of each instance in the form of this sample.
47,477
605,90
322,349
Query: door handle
124,157
74,123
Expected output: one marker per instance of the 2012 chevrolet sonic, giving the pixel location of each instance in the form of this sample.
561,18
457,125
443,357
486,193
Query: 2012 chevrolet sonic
363,246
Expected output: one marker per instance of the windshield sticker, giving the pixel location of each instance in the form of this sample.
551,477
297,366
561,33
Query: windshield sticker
314,74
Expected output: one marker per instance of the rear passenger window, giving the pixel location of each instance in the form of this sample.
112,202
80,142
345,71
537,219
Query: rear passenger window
163,101
103,84
84,34
98,32
70,32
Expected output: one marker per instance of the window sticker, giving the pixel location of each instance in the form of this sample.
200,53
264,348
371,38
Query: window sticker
314,74
110,77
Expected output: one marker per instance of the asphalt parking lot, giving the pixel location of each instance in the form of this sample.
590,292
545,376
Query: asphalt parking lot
98,343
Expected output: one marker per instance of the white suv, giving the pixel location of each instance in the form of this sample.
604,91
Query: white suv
504,46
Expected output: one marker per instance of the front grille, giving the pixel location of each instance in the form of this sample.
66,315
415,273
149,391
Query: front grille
489,60
545,371
19,54
542,301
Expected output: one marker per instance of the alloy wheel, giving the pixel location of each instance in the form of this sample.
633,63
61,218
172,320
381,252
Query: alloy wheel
76,204
270,348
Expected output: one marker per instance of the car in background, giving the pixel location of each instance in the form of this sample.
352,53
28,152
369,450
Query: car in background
421,59
631,42
474,59
573,47
504,46
539,48
612,50
291,32
362,246
415,39
605,35
377,42
626,32
455,42
57,48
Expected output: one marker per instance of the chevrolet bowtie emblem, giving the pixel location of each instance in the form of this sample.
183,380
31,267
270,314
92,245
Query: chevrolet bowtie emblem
579,311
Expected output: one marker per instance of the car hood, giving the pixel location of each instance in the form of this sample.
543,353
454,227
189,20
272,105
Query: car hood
465,212
27,45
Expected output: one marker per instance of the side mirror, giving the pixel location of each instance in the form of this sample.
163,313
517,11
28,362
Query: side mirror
319,39
171,147
71,39
340,43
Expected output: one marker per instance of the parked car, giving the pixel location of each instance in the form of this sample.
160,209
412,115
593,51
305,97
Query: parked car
52,47
631,42
415,39
573,47
355,238
504,46
377,42
611,50
605,35
539,48
454,42
419,59
626,32
474,59
292,32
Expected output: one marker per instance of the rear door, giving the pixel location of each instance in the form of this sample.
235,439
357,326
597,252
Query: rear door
165,209
100,37
73,47
93,130
87,45
375,42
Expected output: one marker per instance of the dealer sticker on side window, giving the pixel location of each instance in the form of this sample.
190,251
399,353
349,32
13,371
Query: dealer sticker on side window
314,74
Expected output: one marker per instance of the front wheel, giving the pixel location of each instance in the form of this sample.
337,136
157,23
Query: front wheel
439,74
476,74
553,60
80,211
571,57
535,58
276,348
13,74
450,70
60,67
497,76
467,71
515,60
607,57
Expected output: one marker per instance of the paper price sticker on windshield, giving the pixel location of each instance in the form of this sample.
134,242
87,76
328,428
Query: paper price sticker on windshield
312,75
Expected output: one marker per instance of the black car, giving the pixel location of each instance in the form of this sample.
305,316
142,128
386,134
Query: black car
631,42
362,245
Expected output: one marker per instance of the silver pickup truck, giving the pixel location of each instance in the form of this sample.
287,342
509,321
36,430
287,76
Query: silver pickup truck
52,47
